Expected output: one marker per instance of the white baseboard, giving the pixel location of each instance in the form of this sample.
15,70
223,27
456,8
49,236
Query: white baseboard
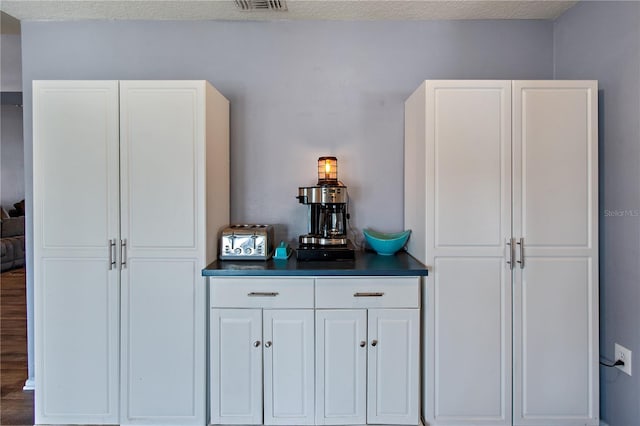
30,384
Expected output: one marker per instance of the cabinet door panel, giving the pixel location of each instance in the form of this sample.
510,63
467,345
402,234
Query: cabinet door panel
472,338
236,366
552,328
76,164
163,355
341,367
468,220
75,157
393,369
556,162
162,133
471,135
556,294
162,196
77,334
288,367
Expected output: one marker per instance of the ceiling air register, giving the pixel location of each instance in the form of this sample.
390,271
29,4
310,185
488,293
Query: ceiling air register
275,5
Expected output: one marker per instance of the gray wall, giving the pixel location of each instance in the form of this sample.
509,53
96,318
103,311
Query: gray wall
298,90
10,63
11,144
11,156
601,40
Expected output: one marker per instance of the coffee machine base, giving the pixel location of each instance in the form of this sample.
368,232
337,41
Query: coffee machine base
307,252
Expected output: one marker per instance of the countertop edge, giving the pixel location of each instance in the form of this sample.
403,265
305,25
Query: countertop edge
313,273
365,264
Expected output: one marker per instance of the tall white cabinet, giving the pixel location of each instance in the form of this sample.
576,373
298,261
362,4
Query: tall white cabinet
501,194
130,186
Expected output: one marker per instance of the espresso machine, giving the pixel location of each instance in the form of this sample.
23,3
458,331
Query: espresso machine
328,216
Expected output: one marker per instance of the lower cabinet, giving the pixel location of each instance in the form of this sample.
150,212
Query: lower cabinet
367,366
261,351
367,350
262,362
326,351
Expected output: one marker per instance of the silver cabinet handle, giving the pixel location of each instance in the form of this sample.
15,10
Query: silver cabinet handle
521,244
374,342
267,344
363,344
512,252
368,294
256,343
112,254
123,254
263,294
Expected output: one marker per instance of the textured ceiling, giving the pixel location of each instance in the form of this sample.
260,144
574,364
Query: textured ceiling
297,9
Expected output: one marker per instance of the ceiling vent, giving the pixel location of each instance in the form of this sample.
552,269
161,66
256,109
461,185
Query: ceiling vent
275,5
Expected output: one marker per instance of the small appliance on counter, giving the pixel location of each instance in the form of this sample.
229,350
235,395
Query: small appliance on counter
246,242
282,252
328,214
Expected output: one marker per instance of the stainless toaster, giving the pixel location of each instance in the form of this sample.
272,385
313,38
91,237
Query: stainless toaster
248,242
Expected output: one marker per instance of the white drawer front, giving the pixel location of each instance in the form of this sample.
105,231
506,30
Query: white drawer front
368,292
260,292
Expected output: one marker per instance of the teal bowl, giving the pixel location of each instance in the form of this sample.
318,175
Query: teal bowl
386,244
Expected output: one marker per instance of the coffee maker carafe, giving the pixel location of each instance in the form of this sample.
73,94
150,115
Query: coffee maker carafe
328,215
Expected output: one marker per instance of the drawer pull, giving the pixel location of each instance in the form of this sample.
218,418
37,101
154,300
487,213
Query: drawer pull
365,294
267,344
263,294
374,342
363,344
256,343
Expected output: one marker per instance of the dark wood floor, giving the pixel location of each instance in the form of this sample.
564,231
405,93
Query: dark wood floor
16,405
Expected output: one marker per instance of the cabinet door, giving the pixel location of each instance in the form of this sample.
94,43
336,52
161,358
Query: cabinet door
163,336
556,291
162,224
466,154
288,367
162,166
393,371
236,366
341,365
75,196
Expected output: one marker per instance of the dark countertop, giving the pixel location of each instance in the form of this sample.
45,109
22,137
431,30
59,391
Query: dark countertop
365,264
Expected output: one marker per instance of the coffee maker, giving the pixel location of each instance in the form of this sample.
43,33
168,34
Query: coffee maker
328,215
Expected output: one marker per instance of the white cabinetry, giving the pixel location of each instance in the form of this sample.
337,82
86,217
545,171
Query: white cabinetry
555,190
130,185
365,345
501,193
236,366
262,360
288,366
367,328
393,382
76,215
341,373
